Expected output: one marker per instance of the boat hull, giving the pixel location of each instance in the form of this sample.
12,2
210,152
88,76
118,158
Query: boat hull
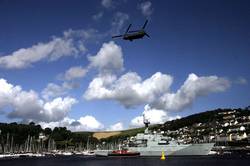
102,153
124,155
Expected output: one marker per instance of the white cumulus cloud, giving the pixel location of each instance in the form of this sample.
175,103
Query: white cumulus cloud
75,72
146,8
58,108
53,50
27,105
65,122
53,90
118,22
193,87
107,3
71,43
153,115
130,90
85,123
108,59
90,123
116,127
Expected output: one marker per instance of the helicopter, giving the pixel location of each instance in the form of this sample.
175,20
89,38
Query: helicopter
131,35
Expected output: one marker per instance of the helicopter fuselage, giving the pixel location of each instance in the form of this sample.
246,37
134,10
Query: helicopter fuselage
135,35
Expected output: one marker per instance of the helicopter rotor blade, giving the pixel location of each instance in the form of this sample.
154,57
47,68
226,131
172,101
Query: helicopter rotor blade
117,36
147,35
128,28
145,24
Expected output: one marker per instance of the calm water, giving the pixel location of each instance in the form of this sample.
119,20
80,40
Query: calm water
138,161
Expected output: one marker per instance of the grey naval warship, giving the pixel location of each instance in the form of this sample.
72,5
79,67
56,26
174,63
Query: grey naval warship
154,144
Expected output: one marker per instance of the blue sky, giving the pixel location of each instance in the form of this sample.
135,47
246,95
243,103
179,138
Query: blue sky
59,64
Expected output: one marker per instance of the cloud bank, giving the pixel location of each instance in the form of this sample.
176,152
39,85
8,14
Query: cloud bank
27,106
70,44
85,123
193,87
131,90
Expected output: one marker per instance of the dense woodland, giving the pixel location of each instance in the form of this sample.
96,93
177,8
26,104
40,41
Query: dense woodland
17,134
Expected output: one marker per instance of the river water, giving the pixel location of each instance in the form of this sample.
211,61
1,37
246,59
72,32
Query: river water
136,161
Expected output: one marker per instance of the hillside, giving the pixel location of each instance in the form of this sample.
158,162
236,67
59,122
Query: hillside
105,134
198,126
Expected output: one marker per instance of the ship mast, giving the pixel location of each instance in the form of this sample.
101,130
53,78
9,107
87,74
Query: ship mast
146,123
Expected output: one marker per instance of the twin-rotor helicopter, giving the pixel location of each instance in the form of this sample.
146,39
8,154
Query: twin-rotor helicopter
135,34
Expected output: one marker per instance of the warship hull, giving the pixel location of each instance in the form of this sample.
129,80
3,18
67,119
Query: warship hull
178,150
